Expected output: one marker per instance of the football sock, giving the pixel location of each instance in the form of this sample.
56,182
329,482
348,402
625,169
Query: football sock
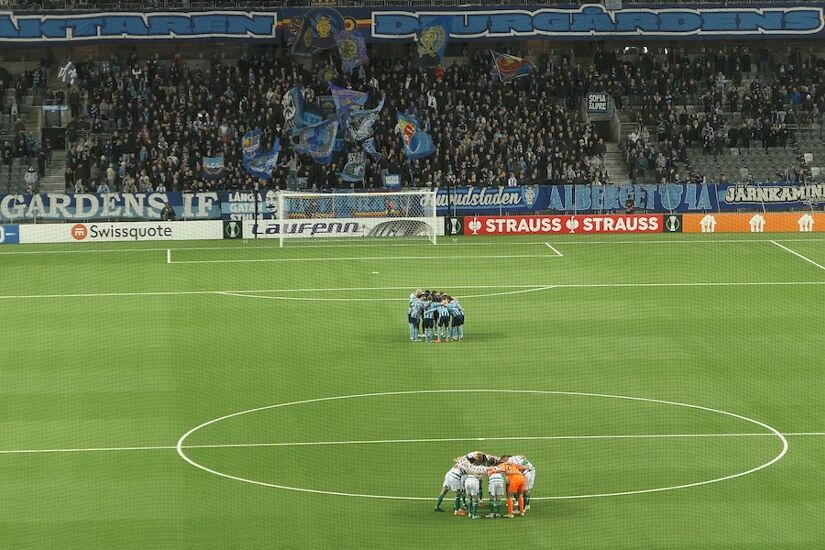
521,503
440,500
457,502
509,506
527,499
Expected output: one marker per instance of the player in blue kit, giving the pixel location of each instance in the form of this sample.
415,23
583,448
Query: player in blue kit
414,312
457,317
429,311
438,316
443,314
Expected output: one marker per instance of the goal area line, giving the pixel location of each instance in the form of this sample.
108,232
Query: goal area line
171,260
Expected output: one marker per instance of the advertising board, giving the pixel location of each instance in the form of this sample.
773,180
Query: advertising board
768,222
555,225
128,231
342,228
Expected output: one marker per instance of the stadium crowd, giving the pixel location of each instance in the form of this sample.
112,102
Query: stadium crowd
152,122
721,98
147,124
142,125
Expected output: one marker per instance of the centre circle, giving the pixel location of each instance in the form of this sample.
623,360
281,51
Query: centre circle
181,444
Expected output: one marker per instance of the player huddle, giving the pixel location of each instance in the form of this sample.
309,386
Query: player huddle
510,475
438,315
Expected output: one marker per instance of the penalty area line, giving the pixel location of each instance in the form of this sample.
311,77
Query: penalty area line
405,441
554,249
798,255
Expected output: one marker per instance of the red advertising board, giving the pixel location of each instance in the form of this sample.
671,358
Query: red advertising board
553,225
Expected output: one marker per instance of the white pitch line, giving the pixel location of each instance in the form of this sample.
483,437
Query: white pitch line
403,441
798,255
168,255
350,244
554,249
655,285
357,258
320,299
286,290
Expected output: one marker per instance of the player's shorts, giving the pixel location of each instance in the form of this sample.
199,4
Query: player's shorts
428,322
444,321
516,484
529,479
452,482
458,320
472,485
496,487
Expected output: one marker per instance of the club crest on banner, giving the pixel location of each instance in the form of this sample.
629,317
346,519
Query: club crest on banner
431,41
317,31
529,194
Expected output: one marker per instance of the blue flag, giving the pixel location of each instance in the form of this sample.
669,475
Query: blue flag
353,50
417,143
360,122
317,141
261,165
212,167
369,147
326,109
354,168
345,99
251,142
293,105
432,40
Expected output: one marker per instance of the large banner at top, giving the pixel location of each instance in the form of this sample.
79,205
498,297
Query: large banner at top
640,21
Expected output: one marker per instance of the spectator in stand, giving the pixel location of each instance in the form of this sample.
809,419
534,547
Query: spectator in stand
30,178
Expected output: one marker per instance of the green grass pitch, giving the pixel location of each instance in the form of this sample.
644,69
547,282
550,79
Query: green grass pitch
113,351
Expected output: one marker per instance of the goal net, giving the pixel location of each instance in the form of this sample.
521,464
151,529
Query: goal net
403,214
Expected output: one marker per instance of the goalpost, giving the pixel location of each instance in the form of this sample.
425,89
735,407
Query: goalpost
402,214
